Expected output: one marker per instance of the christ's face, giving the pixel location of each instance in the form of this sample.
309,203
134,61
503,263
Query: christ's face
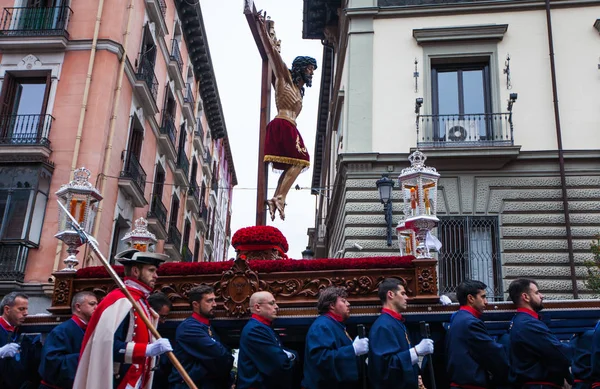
307,75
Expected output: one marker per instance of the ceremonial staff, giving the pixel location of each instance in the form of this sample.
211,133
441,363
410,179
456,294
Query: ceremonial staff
85,237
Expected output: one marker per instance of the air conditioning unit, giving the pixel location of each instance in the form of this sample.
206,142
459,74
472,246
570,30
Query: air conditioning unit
462,131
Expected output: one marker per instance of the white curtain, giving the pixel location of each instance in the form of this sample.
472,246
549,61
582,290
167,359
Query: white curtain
481,259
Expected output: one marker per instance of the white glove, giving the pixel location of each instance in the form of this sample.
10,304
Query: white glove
445,300
361,346
290,355
159,347
425,347
9,350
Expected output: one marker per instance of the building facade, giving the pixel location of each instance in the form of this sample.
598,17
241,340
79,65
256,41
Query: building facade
126,89
472,85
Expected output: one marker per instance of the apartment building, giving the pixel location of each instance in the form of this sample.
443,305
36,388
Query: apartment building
126,89
500,95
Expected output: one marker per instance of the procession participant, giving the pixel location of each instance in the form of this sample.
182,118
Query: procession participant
118,347
473,356
537,358
198,347
581,366
160,303
393,363
331,358
60,353
263,363
15,358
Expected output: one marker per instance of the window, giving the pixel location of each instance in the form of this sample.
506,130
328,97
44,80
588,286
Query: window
196,249
470,251
23,197
121,228
23,103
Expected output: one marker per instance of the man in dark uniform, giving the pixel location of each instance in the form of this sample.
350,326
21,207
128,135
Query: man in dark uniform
331,358
160,303
595,358
198,347
393,363
475,360
60,354
538,360
581,366
263,363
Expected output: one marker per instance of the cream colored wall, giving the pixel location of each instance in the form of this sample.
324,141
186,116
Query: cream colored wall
526,40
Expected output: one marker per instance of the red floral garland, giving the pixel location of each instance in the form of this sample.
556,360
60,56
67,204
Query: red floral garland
262,266
259,235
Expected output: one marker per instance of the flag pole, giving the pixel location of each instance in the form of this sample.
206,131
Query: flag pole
87,238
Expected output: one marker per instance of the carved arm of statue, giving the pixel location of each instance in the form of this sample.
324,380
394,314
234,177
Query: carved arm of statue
273,48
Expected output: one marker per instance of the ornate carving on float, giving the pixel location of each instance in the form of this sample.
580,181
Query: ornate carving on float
426,281
236,286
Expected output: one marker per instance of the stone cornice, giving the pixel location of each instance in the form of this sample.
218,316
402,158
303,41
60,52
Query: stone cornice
458,33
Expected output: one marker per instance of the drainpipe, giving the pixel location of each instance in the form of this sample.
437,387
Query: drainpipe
113,119
86,93
561,160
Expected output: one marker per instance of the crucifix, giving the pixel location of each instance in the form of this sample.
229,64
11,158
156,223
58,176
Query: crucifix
280,143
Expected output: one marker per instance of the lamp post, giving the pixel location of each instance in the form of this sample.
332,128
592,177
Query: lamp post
308,253
384,186
79,197
140,238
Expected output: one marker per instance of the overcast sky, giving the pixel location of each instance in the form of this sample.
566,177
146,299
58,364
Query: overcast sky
237,65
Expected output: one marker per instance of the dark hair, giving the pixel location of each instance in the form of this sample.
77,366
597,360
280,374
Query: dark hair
468,287
518,287
79,298
158,300
128,269
9,300
329,296
197,293
298,70
386,285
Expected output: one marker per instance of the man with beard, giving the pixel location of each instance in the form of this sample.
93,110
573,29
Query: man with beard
263,363
118,349
393,363
331,358
198,347
538,360
473,356
60,355
284,147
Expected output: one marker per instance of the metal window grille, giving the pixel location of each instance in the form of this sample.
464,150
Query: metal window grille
470,250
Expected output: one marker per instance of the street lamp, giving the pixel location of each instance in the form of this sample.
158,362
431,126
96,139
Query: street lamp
384,186
308,253
79,198
140,238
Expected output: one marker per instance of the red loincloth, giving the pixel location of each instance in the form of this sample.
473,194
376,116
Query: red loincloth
284,146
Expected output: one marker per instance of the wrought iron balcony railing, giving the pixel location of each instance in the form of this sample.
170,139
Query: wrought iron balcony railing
30,21
145,72
168,127
199,132
25,129
134,170
189,95
487,129
176,55
163,7
203,211
207,158
13,258
214,186
183,163
158,211
187,254
193,189
174,236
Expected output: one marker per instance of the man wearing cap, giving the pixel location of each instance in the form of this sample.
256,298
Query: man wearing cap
118,349
63,344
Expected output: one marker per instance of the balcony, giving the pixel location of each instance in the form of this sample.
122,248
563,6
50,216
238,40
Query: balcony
157,218
202,221
459,139
182,169
166,138
28,28
13,258
193,199
214,193
132,181
146,85
207,164
186,254
157,10
199,137
25,135
189,104
173,243
175,65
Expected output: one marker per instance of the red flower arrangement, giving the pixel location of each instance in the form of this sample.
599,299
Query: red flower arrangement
245,238
262,266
